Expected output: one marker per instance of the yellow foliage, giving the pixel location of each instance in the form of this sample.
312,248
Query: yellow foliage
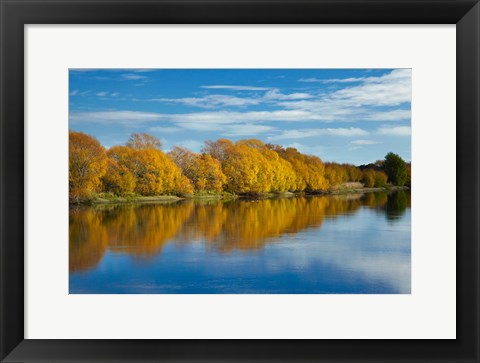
87,164
154,172
118,179
246,166
368,178
202,170
309,169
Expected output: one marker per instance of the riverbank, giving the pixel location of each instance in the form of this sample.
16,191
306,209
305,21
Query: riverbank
365,190
106,198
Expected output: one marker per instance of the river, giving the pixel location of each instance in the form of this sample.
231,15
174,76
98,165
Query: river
351,244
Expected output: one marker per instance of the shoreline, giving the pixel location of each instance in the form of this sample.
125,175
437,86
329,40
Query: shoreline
366,190
102,200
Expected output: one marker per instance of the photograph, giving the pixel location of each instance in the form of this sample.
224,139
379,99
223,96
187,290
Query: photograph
239,181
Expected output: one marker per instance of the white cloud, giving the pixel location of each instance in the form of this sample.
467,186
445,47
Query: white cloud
351,104
115,117
310,80
217,100
334,80
250,116
115,94
212,101
237,88
361,102
74,92
276,95
201,126
102,94
365,142
390,89
215,119
393,115
395,131
132,77
165,129
246,130
300,134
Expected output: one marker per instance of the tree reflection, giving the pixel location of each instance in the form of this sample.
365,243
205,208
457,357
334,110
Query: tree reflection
88,239
396,205
143,230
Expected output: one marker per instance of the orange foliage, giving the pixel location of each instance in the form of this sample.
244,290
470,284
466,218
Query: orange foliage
202,170
246,166
154,172
309,169
118,179
368,178
87,164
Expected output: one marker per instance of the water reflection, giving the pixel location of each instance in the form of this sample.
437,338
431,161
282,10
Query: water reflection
228,228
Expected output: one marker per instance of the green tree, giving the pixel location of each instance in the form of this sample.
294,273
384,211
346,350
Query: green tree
396,169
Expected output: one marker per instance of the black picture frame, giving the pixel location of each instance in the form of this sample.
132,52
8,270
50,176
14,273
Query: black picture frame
15,14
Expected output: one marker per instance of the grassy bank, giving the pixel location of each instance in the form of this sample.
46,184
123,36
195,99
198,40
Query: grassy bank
389,188
105,198
108,198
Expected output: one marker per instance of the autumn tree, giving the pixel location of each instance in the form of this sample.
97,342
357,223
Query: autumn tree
220,149
144,142
87,164
244,164
208,174
247,170
336,174
202,170
374,178
279,173
183,158
380,178
154,172
118,179
396,169
368,178
309,169
354,173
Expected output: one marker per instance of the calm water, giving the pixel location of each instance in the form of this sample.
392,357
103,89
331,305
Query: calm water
355,244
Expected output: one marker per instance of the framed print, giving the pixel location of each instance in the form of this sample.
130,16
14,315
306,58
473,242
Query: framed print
239,181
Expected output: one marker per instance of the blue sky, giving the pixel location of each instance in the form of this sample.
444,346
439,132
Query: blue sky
344,115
